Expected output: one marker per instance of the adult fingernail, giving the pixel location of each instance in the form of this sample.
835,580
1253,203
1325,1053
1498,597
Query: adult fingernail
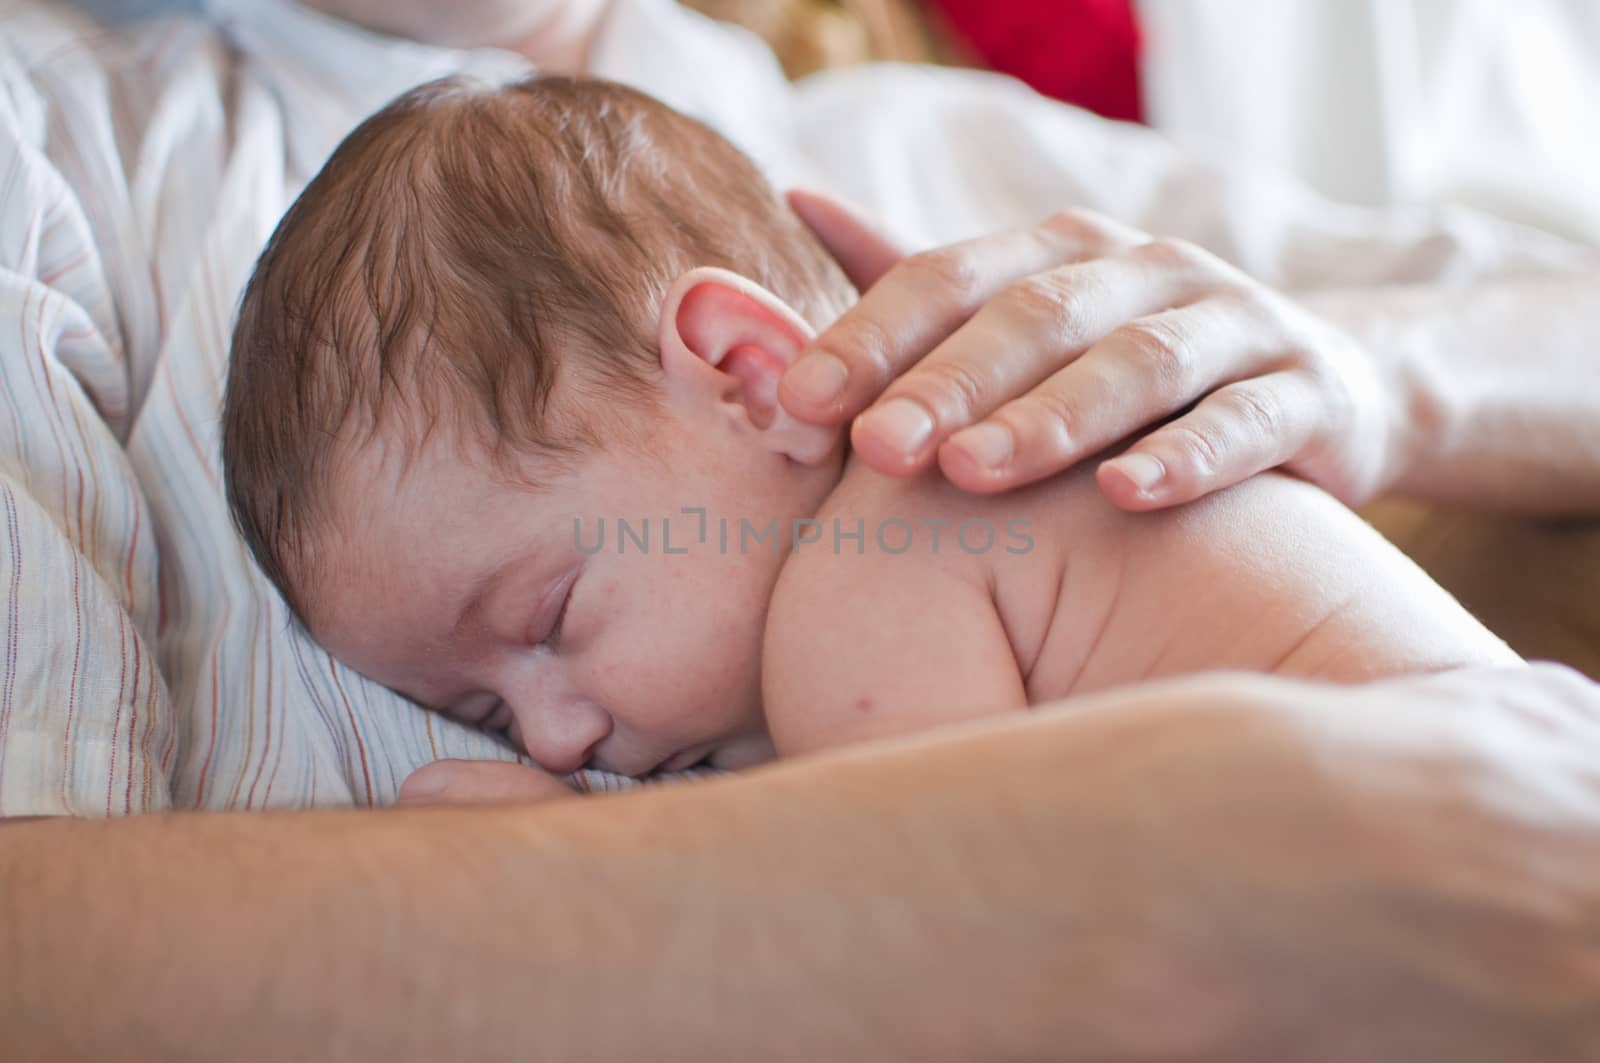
990,445
1142,470
901,423
818,378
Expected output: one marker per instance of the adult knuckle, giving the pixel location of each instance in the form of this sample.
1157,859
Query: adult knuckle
1254,411
950,385
1162,351
1246,298
948,270
1041,304
1178,255
1072,293
1047,417
863,344
1200,450
1078,225
1261,308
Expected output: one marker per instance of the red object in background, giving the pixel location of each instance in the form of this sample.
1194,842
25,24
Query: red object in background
1085,52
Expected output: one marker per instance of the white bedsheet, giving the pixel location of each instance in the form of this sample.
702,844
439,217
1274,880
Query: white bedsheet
144,664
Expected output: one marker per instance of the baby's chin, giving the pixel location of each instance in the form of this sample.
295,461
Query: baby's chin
734,754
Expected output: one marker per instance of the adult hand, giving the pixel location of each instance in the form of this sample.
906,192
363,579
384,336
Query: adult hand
479,782
1011,357
1422,852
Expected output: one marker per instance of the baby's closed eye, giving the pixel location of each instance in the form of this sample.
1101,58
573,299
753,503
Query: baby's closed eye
549,619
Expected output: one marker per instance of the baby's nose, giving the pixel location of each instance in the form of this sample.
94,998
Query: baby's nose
561,737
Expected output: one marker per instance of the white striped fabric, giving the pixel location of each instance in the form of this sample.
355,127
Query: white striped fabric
144,664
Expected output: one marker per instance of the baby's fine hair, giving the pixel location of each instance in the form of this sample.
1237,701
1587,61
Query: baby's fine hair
462,249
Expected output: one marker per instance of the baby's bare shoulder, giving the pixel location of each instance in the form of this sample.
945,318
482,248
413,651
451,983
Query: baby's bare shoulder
875,531
885,621
932,519
880,546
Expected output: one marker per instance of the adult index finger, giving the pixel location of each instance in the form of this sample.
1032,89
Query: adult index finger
918,304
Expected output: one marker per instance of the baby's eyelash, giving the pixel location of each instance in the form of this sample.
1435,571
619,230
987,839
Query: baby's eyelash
555,628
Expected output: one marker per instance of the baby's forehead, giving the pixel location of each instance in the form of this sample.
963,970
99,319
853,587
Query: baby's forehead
407,518
420,482
405,462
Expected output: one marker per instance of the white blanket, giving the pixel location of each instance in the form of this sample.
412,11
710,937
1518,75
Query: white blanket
144,663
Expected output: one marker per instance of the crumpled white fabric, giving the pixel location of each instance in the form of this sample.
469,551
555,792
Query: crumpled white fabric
1478,103
144,663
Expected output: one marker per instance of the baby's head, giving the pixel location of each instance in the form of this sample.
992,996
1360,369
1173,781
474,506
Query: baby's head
496,319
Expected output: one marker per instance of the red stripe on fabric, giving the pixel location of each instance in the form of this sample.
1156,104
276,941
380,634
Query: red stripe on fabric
266,748
366,774
116,721
133,548
133,726
149,733
166,754
13,641
72,689
211,744
277,762
49,386
56,274
188,430
22,440
216,698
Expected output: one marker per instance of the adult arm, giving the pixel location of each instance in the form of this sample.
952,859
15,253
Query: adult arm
1498,380
555,34
1478,393
1265,865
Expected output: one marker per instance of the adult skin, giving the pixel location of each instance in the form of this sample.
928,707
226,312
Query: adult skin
555,34
1230,867
1107,333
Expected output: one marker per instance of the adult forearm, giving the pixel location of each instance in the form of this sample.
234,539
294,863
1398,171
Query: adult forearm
1188,870
1501,382
555,34
917,905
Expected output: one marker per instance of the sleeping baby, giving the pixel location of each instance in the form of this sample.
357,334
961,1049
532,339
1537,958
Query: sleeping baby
501,425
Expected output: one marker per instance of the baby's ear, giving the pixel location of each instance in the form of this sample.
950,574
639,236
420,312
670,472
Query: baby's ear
726,339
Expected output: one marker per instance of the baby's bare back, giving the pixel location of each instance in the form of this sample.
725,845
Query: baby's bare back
1273,576
1052,592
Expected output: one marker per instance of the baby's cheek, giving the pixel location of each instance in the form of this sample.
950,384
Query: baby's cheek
682,661
697,677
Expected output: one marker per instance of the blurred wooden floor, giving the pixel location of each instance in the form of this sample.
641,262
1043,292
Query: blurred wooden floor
1535,583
